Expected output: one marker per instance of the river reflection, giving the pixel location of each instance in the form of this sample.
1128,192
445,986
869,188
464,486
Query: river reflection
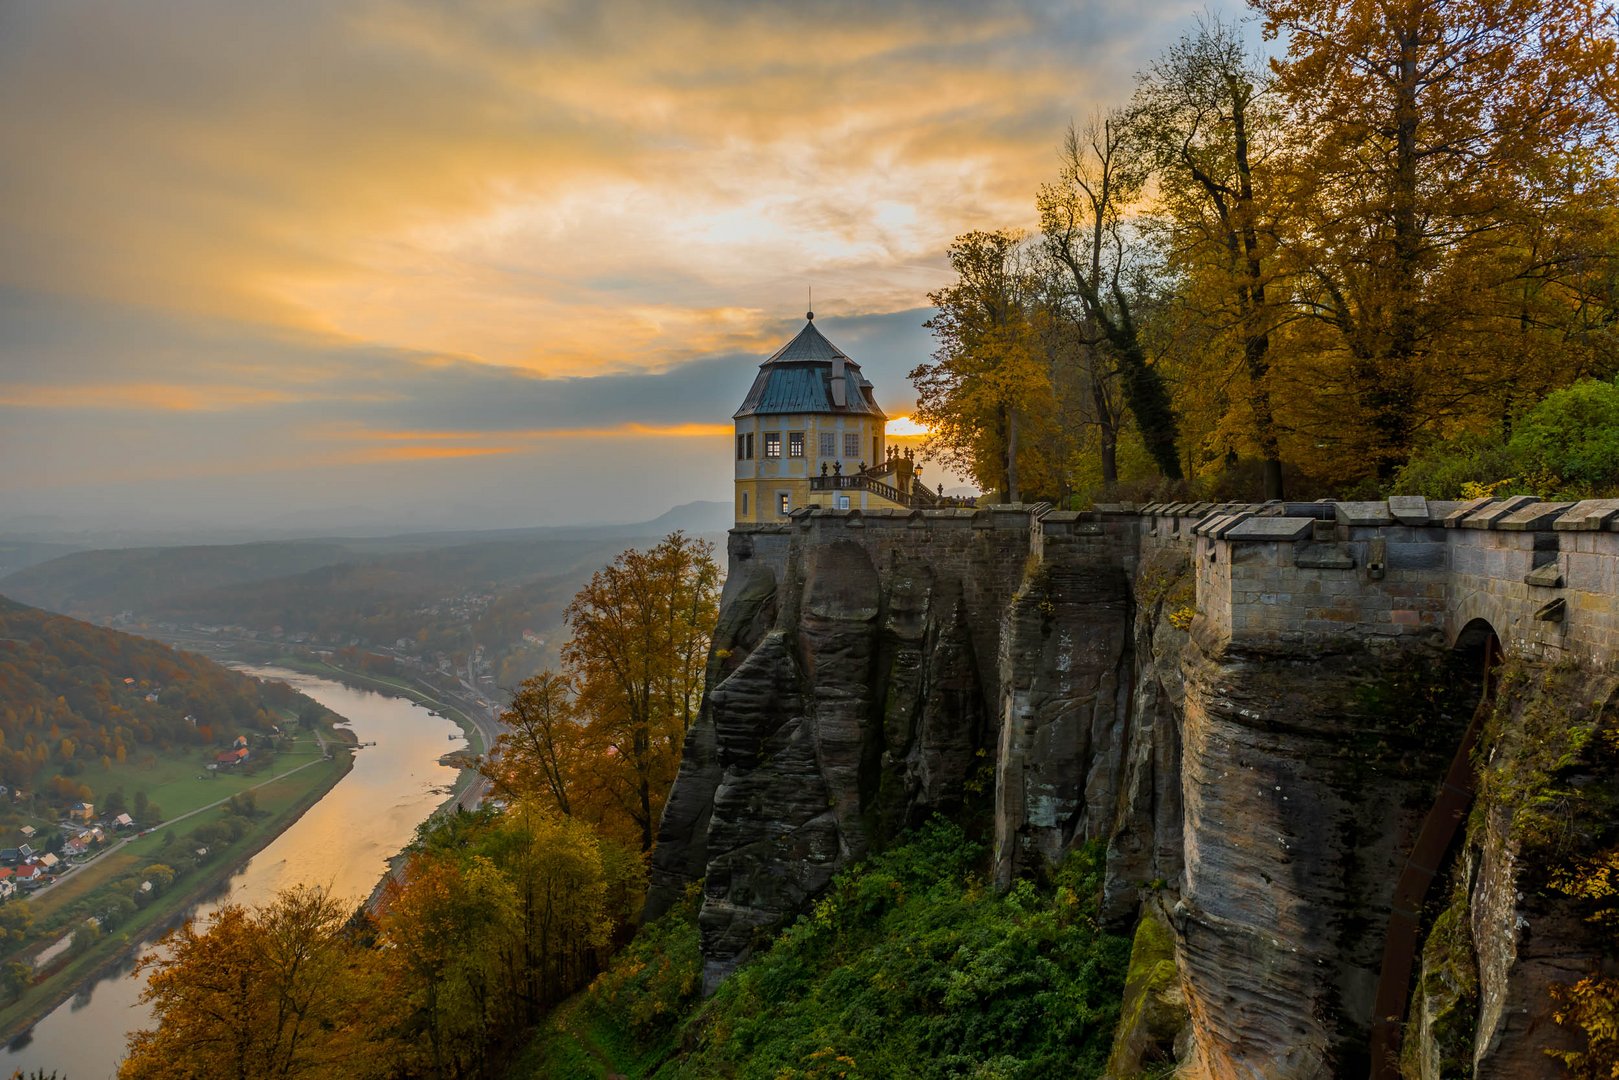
342,842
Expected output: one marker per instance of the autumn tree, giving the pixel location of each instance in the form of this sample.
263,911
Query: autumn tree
271,992
544,749
1085,220
641,631
446,925
1204,116
561,879
989,385
1431,141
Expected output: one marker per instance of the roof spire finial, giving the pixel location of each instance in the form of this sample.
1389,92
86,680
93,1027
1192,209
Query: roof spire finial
810,314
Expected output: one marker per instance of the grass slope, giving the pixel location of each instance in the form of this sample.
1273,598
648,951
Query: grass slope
909,967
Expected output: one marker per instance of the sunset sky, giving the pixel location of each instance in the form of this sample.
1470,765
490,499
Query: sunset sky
308,263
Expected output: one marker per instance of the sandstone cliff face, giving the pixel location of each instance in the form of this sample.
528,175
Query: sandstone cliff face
1066,670
843,706
1260,799
1549,798
1305,779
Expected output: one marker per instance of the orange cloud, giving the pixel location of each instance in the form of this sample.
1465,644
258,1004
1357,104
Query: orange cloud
613,431
165,397
423,453
572,190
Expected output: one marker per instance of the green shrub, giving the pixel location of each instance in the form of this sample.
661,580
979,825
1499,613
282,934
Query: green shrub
912,967
1567,446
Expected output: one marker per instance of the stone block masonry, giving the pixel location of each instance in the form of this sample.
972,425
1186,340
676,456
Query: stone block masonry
1311,577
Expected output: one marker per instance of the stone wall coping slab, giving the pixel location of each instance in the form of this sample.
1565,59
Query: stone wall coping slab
1259,528
1459,511
1211,525
1363,513
1409,509
1486,516
1539,515
1591,515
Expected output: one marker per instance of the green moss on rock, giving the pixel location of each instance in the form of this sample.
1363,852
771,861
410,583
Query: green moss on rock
1154,1010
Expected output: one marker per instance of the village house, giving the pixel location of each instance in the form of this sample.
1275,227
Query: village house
82,811
123,821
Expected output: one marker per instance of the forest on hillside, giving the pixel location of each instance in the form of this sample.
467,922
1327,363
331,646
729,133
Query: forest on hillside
1386,259
72,694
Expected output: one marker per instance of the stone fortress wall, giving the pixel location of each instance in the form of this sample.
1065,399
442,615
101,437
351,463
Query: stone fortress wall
1179,682
1544,575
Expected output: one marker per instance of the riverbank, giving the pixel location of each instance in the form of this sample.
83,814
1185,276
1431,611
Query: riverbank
477,737
281,799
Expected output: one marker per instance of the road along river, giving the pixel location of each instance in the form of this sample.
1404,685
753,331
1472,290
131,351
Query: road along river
342,842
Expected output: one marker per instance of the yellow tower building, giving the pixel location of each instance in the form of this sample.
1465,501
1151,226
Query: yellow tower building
810,434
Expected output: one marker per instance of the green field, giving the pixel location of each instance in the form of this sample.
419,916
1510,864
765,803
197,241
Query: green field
180,783
180,793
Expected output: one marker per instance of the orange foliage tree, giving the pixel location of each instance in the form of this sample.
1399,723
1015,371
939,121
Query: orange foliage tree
641,631
1445,158
276,991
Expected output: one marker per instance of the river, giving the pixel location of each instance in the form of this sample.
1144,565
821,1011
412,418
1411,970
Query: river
342,842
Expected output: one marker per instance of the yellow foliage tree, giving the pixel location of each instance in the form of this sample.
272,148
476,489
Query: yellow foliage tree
276,992
544,750
1431,143
445,930
641,632
988,396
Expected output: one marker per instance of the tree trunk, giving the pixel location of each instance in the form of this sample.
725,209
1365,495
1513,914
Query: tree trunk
1012,492
1394,395
1251,298
1145,394
1148,399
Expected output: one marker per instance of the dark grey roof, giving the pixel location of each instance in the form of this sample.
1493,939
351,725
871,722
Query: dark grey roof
810,344
797,378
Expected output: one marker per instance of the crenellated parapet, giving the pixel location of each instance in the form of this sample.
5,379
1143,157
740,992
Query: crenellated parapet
1302,576
1276,577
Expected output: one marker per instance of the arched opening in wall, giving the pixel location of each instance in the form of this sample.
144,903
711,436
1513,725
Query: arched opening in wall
1472,664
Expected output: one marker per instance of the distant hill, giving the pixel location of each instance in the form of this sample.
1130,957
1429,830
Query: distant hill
202,582
440,594
73,695
103,582
17,554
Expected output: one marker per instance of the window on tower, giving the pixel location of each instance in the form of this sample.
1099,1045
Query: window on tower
795,444
741,447
784,502
750,446
829,444
851,444
772,444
